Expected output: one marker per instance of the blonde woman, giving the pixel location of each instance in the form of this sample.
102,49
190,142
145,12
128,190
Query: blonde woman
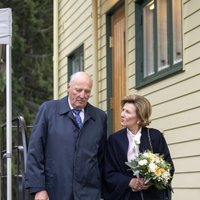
124,145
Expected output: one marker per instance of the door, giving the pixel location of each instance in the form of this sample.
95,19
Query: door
118,65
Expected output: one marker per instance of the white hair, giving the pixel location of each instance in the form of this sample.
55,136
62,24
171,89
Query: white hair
81,73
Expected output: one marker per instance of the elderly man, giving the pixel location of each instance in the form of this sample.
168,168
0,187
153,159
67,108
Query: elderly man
66,148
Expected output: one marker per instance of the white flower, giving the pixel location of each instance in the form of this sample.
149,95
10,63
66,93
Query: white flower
166,176
142,162
152,167
146,155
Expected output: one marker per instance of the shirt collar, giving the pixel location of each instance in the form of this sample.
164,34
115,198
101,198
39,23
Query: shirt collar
134,137
129,132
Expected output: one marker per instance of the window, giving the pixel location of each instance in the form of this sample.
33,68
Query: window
158,39
76,61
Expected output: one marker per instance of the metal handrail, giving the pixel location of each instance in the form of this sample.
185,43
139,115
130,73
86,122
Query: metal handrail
20,146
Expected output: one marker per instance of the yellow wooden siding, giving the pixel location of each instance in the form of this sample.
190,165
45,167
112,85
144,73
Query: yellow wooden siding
182,134
102,84
130,46
192,37
190,21
184,118
75,29
186,193
174,90
185,149
189,180
181,166
175,86
190,7
192,53
175,106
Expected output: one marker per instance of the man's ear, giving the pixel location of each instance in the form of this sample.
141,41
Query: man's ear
68,86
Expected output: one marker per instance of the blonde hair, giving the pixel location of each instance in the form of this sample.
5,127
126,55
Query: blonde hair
143,108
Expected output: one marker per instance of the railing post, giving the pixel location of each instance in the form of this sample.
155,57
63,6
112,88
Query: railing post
9,122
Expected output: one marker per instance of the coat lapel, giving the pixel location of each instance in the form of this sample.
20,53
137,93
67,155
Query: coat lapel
124,141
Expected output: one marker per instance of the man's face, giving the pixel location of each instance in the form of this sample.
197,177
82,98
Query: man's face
79,92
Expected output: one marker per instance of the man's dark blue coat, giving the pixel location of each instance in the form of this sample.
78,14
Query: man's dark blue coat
63,159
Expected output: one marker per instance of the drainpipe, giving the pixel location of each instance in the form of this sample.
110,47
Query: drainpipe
55,49
95,50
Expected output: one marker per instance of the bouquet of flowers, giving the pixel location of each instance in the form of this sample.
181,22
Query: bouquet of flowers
153,168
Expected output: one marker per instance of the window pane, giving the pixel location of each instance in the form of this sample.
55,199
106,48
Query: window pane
75,65
177,26
162,34
81,60
148,39
76,61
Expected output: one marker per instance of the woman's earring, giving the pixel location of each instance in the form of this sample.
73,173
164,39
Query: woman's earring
138,122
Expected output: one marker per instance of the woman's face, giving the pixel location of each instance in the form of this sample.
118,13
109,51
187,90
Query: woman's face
129,116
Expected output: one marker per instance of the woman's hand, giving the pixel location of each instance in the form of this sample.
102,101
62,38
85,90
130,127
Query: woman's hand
135,184
42,195
138,184
144,186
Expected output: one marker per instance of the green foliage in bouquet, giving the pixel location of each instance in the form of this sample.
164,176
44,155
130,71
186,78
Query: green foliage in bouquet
153,168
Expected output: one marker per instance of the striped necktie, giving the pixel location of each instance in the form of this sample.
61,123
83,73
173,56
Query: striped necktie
77,117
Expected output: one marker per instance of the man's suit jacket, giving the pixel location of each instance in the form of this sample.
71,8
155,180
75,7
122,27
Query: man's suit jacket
118,175
63,159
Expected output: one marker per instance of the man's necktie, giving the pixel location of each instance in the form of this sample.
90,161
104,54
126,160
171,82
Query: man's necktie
78,118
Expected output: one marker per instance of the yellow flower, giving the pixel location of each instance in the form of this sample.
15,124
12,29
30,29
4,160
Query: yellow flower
159,171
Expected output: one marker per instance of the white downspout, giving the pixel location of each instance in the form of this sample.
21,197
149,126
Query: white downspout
55,49
95,48
9,121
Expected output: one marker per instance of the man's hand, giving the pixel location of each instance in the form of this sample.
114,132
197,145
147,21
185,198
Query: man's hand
42,195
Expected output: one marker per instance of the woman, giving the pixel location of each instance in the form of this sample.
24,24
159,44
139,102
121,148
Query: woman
124,145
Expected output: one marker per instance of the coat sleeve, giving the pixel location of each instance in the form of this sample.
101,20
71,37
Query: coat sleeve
34,175
116,186
160,146
102,148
